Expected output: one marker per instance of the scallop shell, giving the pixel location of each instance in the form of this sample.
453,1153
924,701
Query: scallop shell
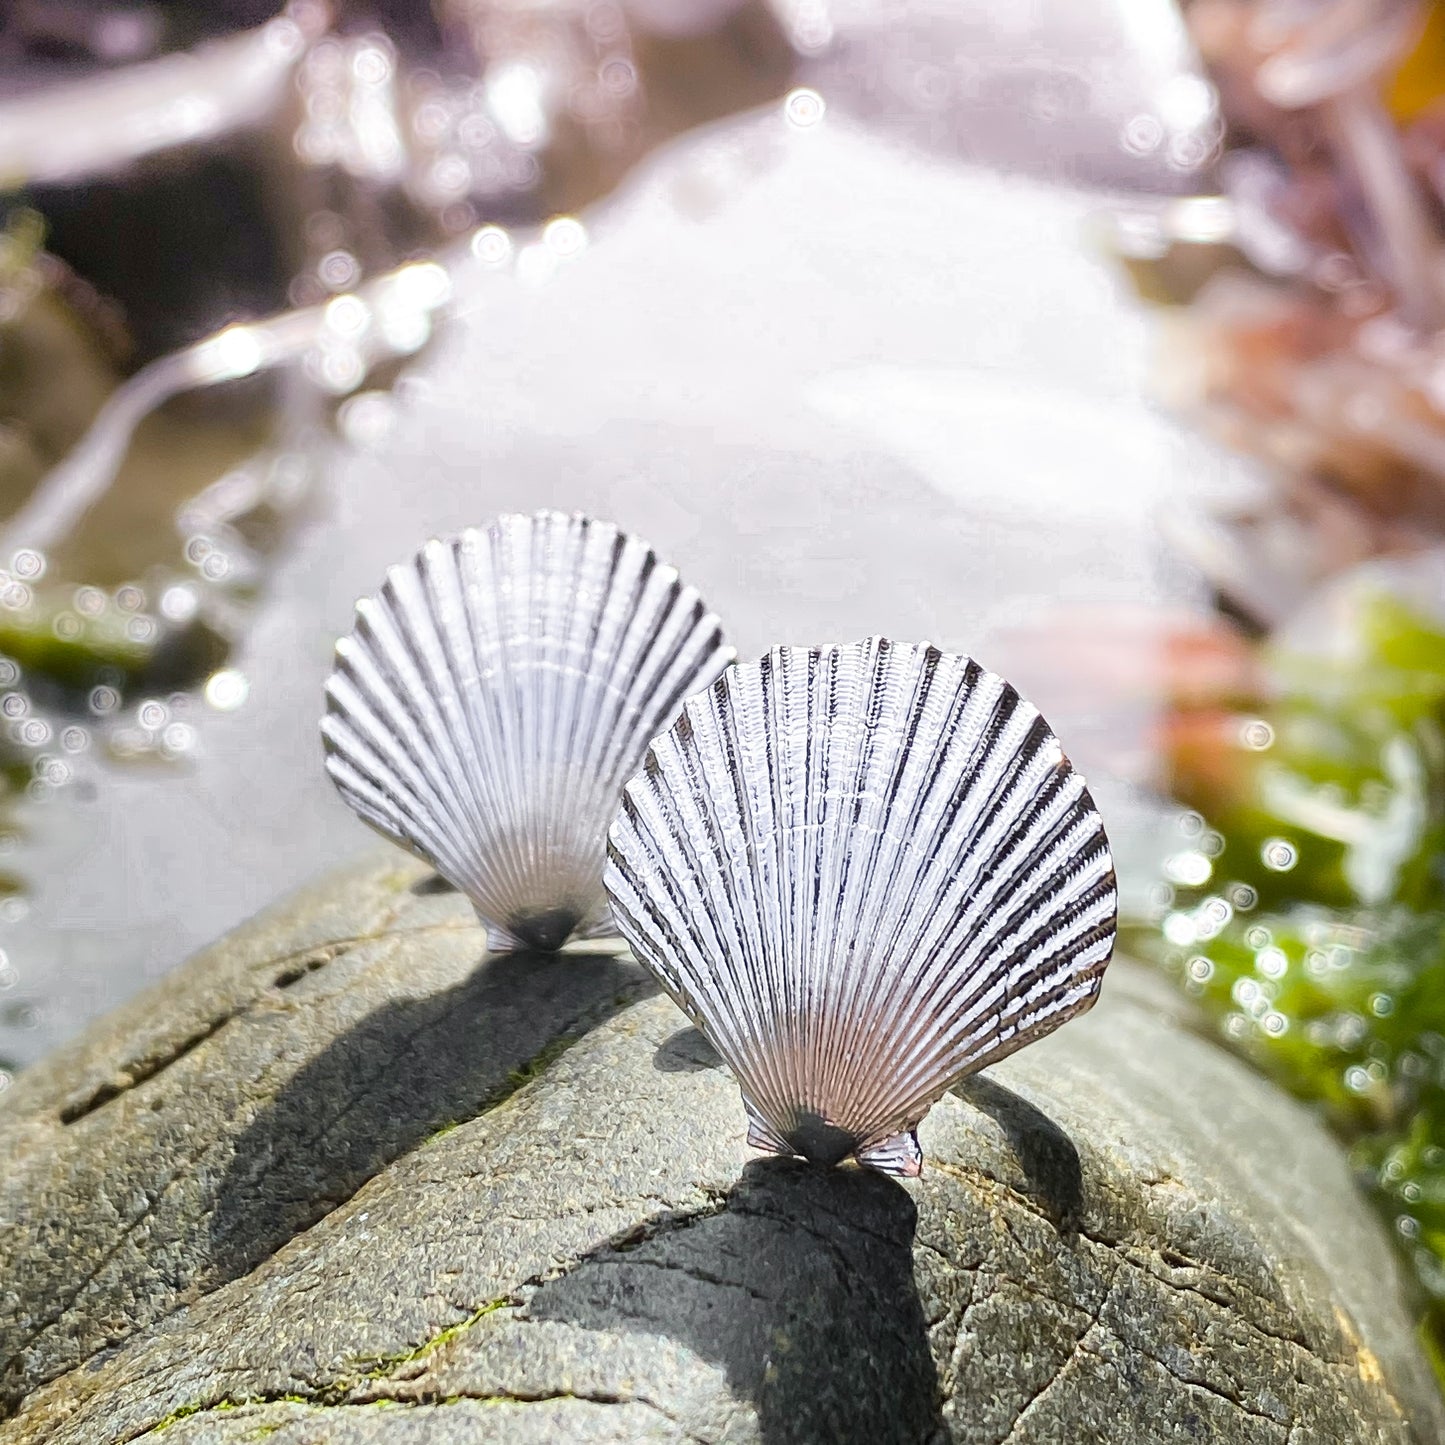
863,872
497,693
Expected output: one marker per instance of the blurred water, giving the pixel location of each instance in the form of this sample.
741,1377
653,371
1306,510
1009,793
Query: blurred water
847,387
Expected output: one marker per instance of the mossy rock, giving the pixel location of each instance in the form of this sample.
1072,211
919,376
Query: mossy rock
343,1178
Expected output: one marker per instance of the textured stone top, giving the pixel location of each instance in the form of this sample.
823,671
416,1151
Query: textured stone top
342,1178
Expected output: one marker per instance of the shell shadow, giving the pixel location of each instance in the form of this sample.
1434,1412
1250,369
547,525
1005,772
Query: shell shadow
686,1052
1046,1154
801,1289
432,884
402,1073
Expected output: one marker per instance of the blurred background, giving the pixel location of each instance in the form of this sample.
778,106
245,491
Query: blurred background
1104,341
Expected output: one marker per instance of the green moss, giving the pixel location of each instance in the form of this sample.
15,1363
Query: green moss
175,1417
1345,1008
538,1064
243,1402
380,1366
48,638
330,1399
522,1075
184,1412
1304,909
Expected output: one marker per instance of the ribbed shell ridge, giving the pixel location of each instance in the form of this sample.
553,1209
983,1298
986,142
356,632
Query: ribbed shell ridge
496,694
863,872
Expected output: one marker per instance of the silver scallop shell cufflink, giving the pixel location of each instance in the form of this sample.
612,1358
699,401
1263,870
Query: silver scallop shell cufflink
494,697
863,872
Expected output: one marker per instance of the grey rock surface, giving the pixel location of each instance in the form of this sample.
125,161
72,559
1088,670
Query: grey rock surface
344,1178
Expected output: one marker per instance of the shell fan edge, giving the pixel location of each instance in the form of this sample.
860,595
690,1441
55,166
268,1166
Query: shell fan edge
495,694
864,872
